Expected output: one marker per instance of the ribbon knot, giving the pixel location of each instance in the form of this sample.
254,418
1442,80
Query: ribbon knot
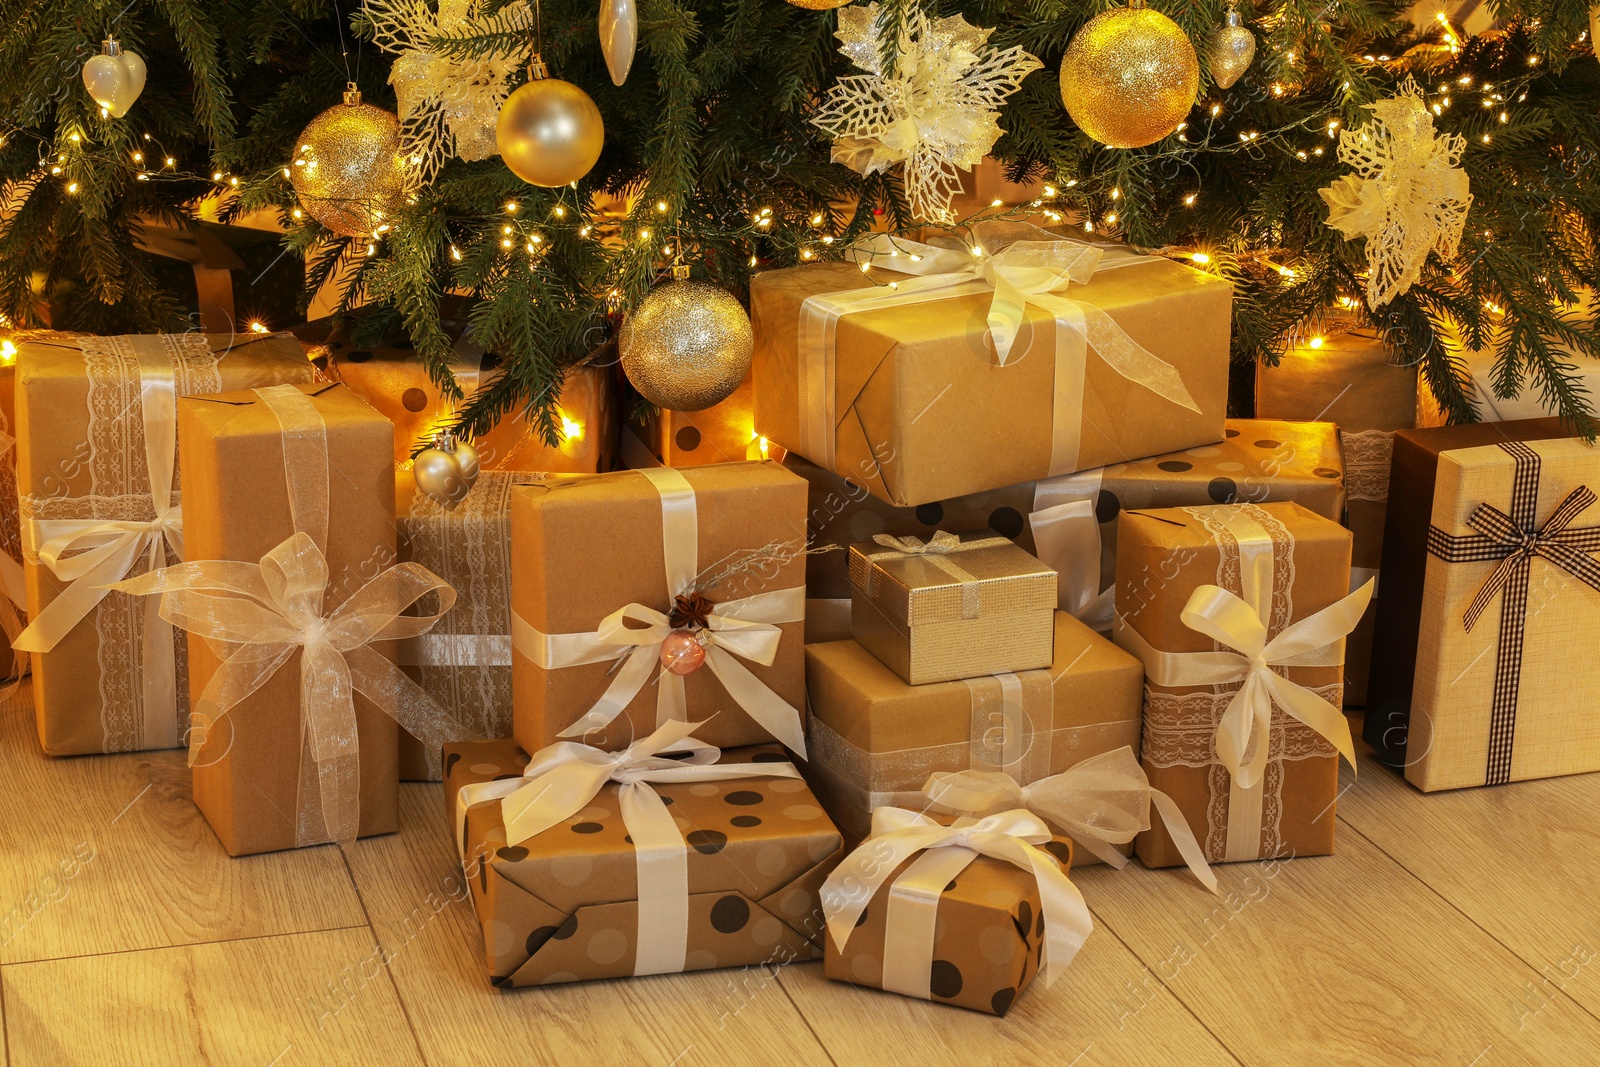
1554,541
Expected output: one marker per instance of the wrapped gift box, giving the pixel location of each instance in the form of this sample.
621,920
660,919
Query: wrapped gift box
1475,372
1163,558
82,462
1349,379
904,393
1438,726
586,549
13,585
251,775
563,905
874,740
721,433
952,607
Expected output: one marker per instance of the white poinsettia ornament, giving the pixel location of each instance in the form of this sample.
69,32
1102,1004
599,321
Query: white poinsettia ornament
935,112
1408,196
448,104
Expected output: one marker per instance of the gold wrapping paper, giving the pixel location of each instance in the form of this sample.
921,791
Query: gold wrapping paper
1163,557
249,776
874,740
81,455
722,433
562,906
1350,381
958,608
922,411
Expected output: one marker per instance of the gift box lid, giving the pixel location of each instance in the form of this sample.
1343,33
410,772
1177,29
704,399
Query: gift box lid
972,576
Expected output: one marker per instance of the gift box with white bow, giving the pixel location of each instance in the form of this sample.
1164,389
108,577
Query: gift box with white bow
667,856
99,495
1239,614
928,371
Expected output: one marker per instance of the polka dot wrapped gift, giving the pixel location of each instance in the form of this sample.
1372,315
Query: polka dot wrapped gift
667,856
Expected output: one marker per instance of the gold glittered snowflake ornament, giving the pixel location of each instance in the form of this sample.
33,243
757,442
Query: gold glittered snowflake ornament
1407,197
936,113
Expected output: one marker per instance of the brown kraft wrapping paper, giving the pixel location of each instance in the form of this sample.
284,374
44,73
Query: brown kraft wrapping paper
922,411
874,740
13,585
249,775
1350,381
81,456
1405,564
722,433
562,906
1258,460
586,548
1163,557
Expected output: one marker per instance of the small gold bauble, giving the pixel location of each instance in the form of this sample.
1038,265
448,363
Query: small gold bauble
348,170
1129,77
1230,51
819,5
549,132
686,346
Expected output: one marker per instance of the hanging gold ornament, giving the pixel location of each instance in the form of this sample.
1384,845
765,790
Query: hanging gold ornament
549,132
1129,77
1230,50
348,170
446,471
114,78
819,5
687,345
1594,30
619,35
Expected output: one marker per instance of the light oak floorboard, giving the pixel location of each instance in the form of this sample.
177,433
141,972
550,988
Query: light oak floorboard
110,854
411,886
249,1003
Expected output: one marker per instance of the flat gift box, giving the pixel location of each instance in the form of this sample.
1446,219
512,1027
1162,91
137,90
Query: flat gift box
1163,557
586,548
249,778
563,906
981,607
81,455
921,411
874,740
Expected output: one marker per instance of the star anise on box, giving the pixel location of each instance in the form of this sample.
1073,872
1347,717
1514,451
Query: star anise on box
689,611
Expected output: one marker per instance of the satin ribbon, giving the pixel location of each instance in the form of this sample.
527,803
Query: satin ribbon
1066,537
1100,802
937,550
1020,265
942,852
91,555
561,780
746,628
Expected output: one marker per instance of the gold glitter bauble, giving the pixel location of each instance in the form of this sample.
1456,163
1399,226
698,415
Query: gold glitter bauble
348,170
819,5
549,132
686,346
1129,77
1230,50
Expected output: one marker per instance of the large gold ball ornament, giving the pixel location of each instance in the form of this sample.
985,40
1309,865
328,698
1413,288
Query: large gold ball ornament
686,346
549,132
1129,77
348,170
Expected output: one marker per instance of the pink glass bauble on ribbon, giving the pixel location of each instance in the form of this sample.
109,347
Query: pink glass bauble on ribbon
682,652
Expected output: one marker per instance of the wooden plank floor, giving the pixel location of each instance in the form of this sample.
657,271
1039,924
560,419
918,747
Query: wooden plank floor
1461,930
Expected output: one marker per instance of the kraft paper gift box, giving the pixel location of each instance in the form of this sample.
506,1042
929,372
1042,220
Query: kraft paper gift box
1242,727
722,433
952,607
94,417
912,911
874,740
253,779
1070,522
13,585
392,378
907,393
564,905
1350,380
1506,580
606,568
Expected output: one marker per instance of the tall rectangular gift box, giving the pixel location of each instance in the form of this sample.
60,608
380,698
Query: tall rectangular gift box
98,482
254,777
874,740
1350,379
935,390
1070,522
569,903
13,585
610,573
1476,663
1224,582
